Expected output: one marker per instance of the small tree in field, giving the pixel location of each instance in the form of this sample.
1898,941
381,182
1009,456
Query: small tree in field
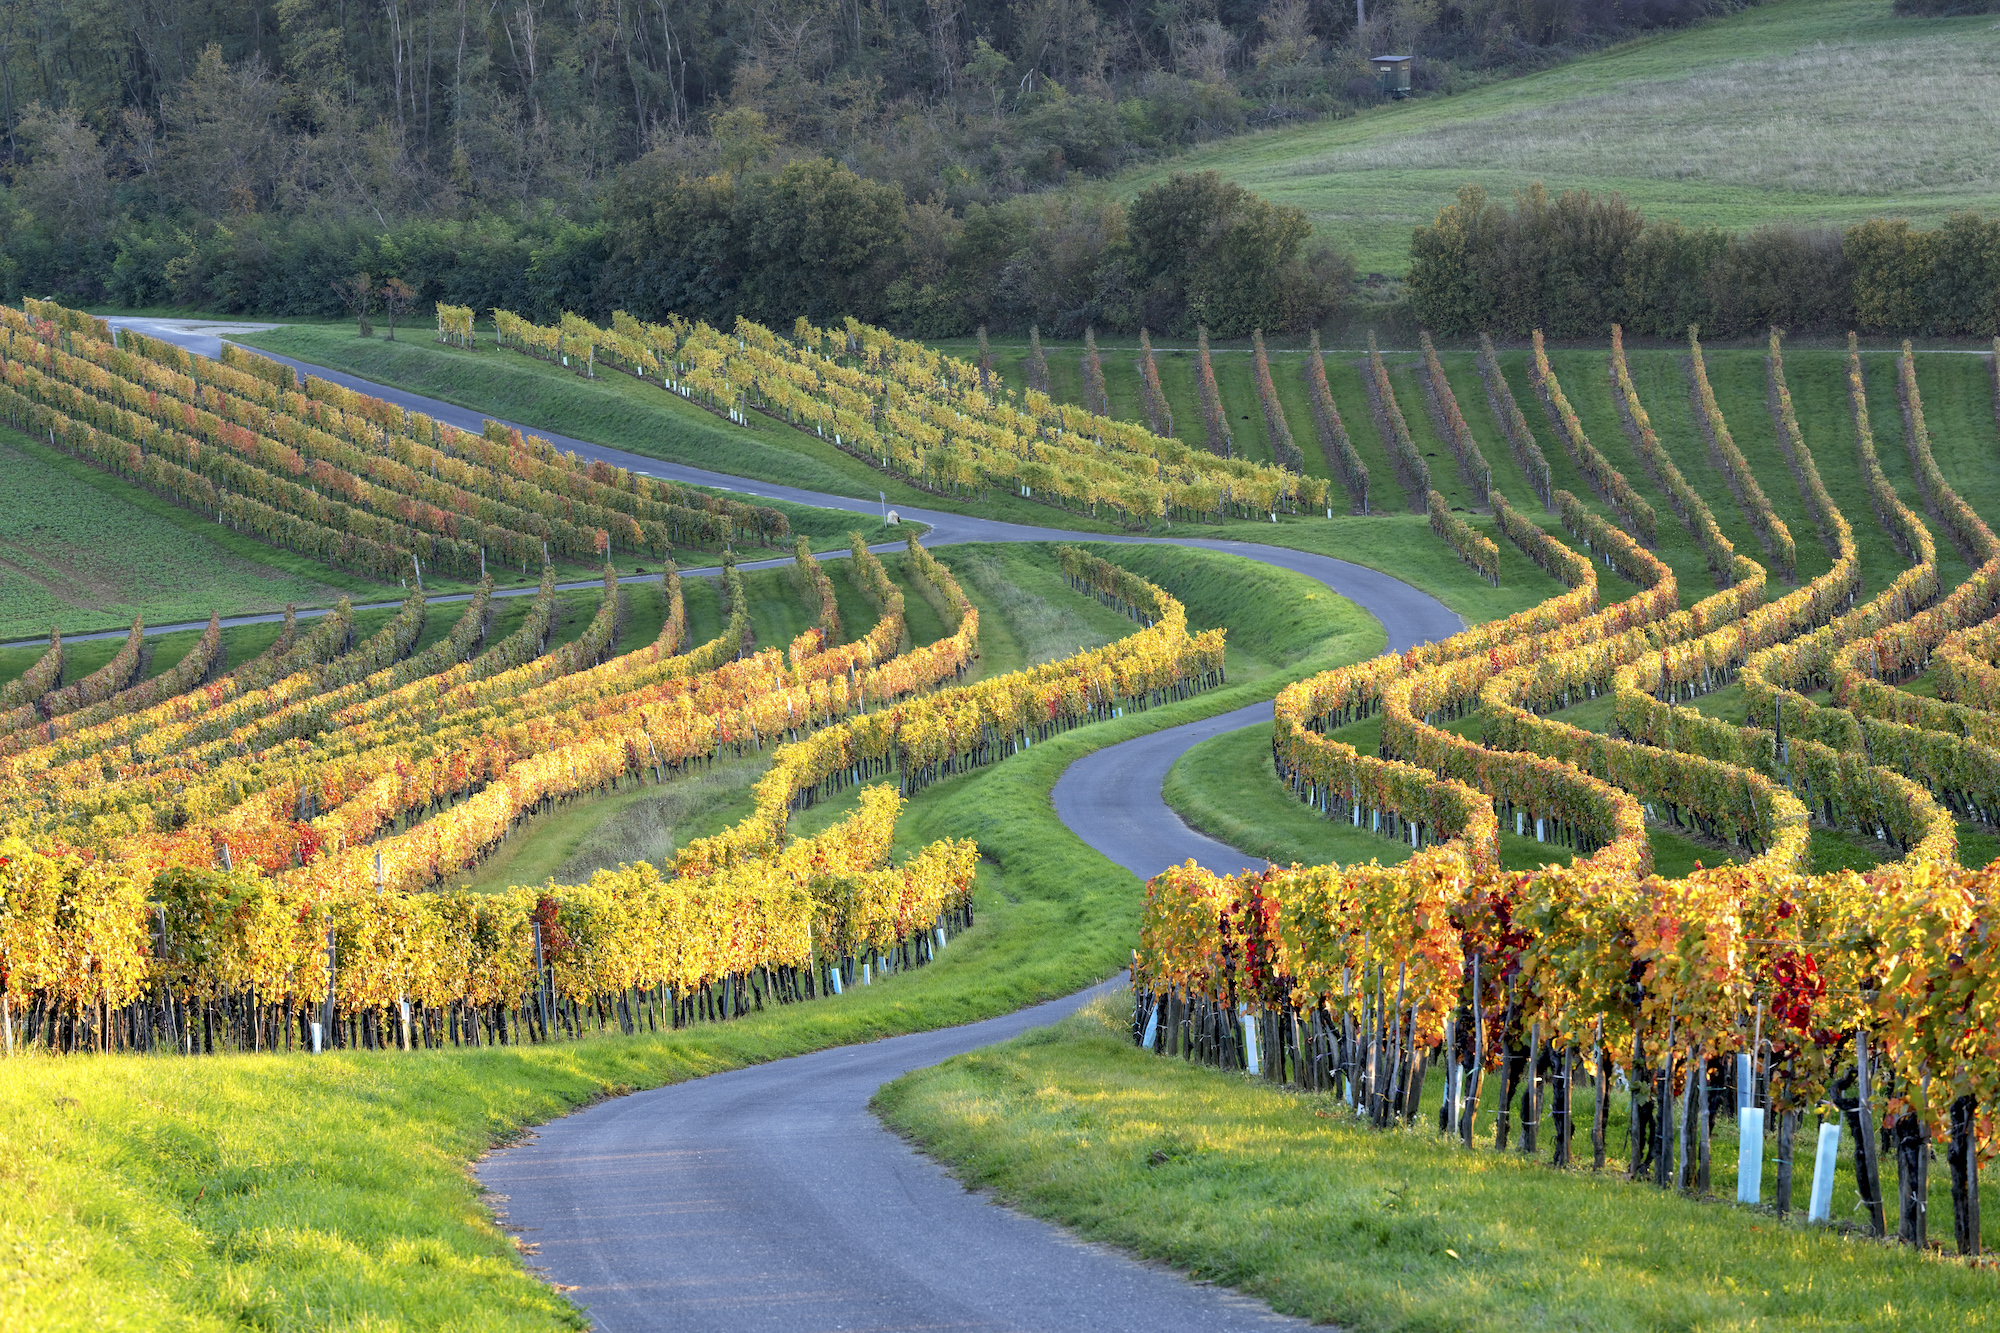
357,294
396,297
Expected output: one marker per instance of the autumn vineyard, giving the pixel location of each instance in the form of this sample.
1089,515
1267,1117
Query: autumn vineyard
294,816
260,856
1787,992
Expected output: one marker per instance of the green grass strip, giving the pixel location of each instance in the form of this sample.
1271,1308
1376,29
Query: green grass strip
1284,1196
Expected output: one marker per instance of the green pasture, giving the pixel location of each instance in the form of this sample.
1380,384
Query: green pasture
85,551
1814,113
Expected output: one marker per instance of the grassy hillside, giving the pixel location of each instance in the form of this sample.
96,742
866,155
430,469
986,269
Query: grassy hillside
1815,112
85,551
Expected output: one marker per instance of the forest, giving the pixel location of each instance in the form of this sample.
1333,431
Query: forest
533,156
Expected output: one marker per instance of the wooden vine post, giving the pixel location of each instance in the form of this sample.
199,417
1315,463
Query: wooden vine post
1867,1174
1962,1155
1601,1058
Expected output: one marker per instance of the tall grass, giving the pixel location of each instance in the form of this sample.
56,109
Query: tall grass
1792,112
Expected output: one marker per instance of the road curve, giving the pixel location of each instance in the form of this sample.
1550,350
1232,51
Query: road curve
1111,797
768,1197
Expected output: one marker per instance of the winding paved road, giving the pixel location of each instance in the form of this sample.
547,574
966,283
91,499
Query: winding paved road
768,1197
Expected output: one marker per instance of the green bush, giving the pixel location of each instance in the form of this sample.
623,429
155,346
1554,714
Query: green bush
1209,252
1573,264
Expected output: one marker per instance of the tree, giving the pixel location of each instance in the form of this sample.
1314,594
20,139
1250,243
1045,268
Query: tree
226,152
1669,280
1890,263
1452,264
1962,288
1784,277
396,297
1210,252
813,239
1289,53
742,137
66,181
1555,263
1580,242
820,240
1058,39
357,293
992,70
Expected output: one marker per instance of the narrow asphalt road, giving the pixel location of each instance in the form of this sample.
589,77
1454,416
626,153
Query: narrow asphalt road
1111,797
768,1197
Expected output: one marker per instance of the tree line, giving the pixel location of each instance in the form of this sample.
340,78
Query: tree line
245,156
811,238
1575,263
408,106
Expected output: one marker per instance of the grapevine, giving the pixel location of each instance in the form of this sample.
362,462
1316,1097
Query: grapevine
1334,443
1152,394
1411,468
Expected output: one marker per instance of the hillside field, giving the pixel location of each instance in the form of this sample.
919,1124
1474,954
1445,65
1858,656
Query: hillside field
1815,113
83,551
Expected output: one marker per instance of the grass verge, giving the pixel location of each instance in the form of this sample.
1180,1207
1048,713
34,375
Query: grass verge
1283,1196
81,549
